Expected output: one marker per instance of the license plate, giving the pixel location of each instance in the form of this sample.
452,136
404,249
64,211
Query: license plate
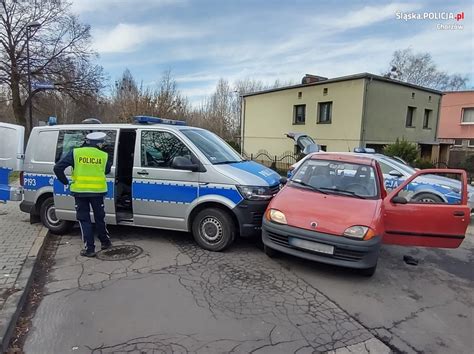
312,246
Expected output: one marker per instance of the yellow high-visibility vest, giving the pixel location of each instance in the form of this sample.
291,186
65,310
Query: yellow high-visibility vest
88,174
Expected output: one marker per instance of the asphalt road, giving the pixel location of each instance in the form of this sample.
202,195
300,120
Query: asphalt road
176,297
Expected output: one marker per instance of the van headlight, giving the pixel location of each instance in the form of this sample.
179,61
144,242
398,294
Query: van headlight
359,232
255,192
276,216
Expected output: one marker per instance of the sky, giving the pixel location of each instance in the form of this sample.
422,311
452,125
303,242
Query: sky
201,41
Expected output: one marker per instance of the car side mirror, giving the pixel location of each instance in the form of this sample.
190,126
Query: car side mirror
395,173
283,180
399,200
183,163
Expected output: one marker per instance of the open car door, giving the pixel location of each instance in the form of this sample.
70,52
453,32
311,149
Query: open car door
11,159
306,145
417,223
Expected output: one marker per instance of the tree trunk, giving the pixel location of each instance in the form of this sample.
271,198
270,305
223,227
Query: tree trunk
19,109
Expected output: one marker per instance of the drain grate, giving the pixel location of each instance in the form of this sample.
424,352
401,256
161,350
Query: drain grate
119,253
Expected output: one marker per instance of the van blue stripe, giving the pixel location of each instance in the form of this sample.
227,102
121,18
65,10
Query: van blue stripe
229,193
4,181
164,192
62,190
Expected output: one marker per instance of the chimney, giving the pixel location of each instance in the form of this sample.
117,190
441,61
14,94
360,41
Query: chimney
308,79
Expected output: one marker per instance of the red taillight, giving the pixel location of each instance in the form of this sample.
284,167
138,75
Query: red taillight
21,179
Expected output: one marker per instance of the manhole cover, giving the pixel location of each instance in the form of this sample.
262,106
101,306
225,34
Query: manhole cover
119,253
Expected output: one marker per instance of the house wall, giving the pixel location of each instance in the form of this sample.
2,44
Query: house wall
450,125
269,116
386,111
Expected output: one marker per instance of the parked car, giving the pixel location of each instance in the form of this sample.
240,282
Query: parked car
431,189
164,175
336,210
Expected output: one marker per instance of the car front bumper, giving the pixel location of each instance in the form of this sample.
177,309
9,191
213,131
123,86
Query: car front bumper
347,252
249,213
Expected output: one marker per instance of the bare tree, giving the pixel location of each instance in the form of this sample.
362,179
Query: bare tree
420,69
60,52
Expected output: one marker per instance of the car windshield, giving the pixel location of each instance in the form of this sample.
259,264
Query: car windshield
214,148
336,177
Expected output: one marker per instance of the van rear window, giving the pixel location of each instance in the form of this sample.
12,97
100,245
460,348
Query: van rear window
70,139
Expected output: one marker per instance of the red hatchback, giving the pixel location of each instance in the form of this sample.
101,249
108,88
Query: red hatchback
335,210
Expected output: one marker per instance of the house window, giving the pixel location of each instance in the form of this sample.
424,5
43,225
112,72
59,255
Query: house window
426,119
457,142
410,117
471,143
429,98
324,112
300,94
468,115
325,91
299,114
412,95
323,147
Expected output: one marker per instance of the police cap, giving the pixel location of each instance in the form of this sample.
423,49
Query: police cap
96,136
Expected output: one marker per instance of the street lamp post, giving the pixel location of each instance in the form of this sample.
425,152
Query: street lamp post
29,27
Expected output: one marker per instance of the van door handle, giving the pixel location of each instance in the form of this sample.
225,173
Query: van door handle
459,213
142,172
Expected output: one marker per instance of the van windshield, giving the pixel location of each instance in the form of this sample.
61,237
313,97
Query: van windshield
214,148
336,177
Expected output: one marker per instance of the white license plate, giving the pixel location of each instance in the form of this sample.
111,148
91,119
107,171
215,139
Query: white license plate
310,245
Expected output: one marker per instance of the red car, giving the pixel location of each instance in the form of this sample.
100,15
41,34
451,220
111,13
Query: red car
335,210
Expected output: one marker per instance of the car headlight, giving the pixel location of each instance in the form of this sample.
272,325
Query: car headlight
359,232
255,193
276,216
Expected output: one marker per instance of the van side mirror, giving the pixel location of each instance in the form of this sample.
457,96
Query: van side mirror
183,163
283,180
399,200
395,173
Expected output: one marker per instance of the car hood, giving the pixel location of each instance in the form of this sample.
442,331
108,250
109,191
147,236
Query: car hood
332,213
249,173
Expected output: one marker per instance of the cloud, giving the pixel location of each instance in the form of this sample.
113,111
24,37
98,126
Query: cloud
84,6
127,37
367,16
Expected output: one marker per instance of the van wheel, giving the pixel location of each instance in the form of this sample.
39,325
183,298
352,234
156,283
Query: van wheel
368,272
49,219
213,229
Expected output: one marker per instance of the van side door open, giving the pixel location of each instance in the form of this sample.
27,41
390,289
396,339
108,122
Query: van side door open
415,223
12,139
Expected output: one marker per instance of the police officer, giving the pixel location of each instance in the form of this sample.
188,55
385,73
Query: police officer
89,167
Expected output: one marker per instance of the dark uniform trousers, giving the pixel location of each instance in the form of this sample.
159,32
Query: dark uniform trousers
83,205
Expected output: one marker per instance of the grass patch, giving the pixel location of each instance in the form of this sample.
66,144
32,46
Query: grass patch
14,176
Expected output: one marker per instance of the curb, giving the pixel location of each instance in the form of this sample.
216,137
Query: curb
14,304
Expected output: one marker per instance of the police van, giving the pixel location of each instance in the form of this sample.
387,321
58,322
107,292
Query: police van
165,175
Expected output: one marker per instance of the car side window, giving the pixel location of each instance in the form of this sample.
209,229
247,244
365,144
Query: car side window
385,168
158,149
70,139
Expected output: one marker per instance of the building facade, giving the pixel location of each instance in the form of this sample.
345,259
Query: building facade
362,110
456,125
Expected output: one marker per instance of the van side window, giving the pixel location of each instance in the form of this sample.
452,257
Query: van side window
70,139
159,148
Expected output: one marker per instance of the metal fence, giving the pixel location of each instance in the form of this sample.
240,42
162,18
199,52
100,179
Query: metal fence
280,163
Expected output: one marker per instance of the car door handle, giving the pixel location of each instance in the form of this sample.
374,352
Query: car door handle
142,172
459,213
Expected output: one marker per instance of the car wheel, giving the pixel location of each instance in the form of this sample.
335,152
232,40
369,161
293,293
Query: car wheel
49,219
427,198
368,272
213,229
270,252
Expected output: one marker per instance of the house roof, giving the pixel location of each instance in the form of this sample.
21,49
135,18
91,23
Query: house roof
345,78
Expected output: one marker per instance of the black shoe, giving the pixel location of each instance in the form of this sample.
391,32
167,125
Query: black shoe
86,253
106,246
